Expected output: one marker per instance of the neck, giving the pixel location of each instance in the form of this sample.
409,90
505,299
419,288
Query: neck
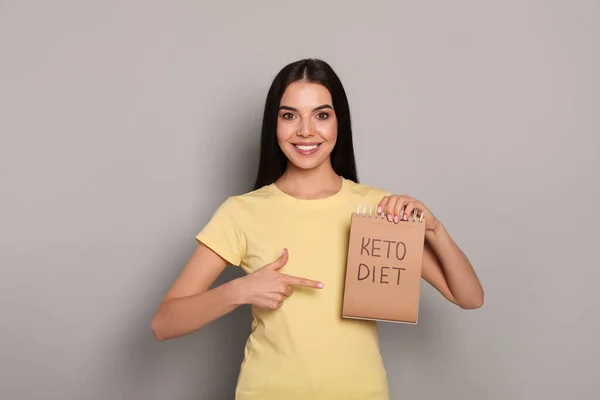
318,182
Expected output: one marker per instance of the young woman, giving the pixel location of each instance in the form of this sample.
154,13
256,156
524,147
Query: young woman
290,236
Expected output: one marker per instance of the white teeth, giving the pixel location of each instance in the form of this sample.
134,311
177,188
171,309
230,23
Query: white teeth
306,148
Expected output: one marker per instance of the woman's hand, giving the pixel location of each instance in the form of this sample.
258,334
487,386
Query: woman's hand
268,288
400,208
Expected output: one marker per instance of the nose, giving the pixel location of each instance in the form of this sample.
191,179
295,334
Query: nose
305,129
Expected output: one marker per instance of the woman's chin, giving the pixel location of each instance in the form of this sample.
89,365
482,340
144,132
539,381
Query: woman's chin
306,164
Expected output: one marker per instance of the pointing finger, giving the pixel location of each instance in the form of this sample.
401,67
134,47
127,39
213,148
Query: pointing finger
293,280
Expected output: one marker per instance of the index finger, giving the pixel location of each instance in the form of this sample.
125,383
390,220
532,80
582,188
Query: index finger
383,204
294,280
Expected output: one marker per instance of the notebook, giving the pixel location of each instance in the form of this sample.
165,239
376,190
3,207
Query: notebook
383,271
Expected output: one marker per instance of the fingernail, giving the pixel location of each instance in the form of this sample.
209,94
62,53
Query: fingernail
389,217
320,285
405,217
379,209
283,252
396,219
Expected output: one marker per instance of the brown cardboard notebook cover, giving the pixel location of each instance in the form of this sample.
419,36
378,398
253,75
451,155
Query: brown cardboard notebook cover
383,272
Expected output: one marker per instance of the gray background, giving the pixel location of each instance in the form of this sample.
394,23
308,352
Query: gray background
124,124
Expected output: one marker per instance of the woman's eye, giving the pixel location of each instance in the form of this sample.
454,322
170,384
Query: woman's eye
288,116
322,115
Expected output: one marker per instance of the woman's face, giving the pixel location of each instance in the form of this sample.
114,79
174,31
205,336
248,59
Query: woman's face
306,124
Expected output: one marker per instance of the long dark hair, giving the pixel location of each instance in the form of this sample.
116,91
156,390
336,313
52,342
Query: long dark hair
273,162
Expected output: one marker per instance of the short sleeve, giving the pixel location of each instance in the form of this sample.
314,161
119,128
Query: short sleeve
222,233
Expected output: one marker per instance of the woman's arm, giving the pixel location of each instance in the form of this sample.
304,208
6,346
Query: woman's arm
447,269
445,266
189,305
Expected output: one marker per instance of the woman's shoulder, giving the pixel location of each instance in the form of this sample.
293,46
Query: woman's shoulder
249,198
241,206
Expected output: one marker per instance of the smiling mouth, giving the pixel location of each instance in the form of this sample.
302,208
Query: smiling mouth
305,147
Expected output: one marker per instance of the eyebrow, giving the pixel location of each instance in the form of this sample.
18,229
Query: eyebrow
296,110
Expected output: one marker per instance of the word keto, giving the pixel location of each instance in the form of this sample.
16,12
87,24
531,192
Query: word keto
399,248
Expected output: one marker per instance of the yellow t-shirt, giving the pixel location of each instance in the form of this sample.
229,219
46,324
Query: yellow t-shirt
305,349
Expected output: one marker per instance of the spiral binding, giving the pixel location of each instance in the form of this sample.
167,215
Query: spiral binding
381,215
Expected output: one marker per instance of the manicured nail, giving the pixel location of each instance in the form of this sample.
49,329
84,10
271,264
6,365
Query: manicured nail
405,217
320,285
283,252
396,219
389,217
379,210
